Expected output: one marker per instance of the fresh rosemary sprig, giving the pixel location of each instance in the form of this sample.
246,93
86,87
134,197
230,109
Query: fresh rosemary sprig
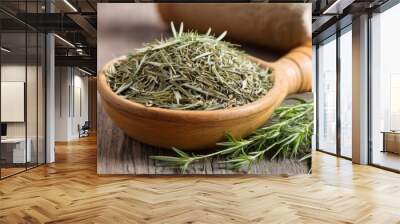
288,135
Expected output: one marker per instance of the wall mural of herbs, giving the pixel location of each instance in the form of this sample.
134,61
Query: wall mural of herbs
200,72
287,135
190,71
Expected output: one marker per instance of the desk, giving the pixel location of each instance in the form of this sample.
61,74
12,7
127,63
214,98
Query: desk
13,150
391,141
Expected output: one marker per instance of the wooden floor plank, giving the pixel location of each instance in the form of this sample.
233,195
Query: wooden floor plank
70,191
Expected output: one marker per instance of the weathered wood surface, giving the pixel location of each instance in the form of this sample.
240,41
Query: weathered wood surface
120,154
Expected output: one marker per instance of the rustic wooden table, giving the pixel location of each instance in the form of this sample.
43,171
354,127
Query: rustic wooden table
121,29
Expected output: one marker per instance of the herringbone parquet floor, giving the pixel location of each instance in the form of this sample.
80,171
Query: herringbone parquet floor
70,191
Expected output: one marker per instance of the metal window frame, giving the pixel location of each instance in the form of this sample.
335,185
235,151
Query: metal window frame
381,9
339,32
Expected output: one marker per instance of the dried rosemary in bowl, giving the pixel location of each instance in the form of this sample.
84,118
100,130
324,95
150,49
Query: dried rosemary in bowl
189,71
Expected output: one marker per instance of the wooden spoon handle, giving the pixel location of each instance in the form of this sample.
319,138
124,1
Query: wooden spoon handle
297,67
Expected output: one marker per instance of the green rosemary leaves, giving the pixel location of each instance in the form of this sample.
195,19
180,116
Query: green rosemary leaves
287,135
189,71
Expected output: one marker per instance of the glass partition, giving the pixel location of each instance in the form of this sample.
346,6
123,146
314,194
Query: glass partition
14,153
31,99
22,107
41,97
346,93
326,99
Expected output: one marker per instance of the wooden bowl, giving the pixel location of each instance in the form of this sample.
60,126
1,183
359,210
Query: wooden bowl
196,130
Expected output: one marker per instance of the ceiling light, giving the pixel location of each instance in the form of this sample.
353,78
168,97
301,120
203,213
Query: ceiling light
337,7
328,10
65,41
84,71
5,50
79,51
70,5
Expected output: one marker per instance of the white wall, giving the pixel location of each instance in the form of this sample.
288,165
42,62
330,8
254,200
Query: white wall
80,109
62,81
71,93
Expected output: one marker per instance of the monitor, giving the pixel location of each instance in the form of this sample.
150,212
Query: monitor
3,129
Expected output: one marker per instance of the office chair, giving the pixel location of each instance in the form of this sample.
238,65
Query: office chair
84,130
